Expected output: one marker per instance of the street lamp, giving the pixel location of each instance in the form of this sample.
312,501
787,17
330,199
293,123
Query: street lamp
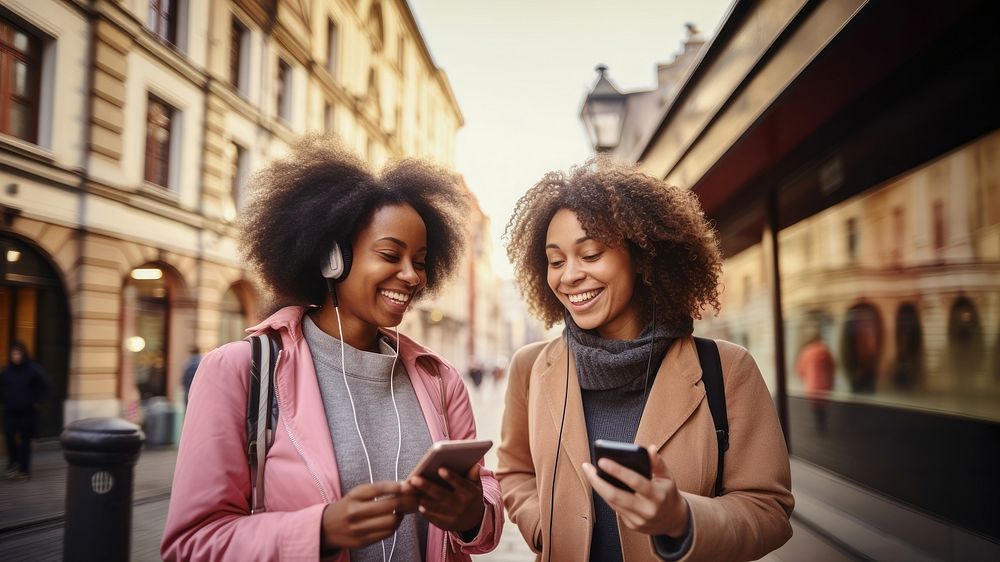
603,113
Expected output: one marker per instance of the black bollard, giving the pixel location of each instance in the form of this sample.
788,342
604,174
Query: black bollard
101,453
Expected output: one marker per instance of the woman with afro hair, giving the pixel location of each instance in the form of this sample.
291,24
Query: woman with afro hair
627,262
344,253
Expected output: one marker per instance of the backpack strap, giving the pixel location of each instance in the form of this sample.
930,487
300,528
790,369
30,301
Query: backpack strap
261,405
715,391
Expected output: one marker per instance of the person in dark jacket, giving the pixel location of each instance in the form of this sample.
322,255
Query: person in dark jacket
189,370
23,386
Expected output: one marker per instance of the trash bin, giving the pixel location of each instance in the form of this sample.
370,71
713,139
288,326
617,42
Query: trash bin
101,453
159,421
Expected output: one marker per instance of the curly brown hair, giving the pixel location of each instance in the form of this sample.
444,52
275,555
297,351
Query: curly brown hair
322,192
672,244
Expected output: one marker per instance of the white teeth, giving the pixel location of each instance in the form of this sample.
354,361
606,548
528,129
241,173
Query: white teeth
395,295
582,297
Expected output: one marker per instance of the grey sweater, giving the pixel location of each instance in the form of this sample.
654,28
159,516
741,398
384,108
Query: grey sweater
368,375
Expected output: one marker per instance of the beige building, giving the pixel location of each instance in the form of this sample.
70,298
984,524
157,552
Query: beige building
128,129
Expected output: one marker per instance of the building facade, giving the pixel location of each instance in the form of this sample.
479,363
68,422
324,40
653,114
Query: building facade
848,153
128,130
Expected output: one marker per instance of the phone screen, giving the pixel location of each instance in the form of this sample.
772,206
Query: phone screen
629,455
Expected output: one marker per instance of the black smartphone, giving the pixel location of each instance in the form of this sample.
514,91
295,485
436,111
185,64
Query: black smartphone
629,455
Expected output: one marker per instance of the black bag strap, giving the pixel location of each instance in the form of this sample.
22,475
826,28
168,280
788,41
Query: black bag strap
715,391
265,349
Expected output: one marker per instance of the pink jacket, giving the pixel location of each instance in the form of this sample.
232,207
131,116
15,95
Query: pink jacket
209,516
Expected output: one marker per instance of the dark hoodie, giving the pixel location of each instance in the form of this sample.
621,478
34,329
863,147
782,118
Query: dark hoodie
23,385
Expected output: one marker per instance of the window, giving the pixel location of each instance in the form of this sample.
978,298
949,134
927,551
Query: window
898,234
238,172
20,74
938,225
284,100
328,117
163,19
332,39
852,239
159,120
375,20
238,35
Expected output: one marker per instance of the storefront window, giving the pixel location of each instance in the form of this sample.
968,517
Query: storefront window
909,321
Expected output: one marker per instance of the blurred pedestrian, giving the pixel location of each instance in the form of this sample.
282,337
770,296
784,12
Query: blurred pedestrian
816,366
24,386
189,370
345,252
476,374
626,262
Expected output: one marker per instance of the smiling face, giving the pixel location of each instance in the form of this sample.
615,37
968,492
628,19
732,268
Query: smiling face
387,270
593,281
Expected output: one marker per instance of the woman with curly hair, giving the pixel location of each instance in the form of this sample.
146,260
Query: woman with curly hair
344,252
627,262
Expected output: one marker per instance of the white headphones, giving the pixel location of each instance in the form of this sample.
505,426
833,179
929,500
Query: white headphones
338,264
334,269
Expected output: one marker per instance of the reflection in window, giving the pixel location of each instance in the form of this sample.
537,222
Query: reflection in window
909,348
860,347
917,326
938,225
898,235
965,340
852,239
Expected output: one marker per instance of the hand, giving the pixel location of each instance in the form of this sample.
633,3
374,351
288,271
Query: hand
365,515
457,504
656,507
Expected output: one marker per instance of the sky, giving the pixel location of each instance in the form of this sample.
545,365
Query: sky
520,70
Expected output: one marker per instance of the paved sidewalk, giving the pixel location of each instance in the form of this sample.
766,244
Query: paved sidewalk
31,526
31,511
23,502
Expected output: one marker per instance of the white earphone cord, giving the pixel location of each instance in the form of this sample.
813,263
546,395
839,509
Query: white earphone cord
354,411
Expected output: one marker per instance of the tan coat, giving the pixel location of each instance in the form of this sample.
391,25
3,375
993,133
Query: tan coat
748,521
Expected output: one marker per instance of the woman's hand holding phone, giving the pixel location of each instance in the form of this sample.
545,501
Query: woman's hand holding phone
366,515
655,508
456,503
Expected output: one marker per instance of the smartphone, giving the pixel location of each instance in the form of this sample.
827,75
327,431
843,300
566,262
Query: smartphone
456,455
629,455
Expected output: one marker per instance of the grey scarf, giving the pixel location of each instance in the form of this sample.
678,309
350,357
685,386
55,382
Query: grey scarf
604,364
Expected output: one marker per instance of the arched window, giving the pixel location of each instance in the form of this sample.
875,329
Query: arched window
909,347
965,340
861,346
